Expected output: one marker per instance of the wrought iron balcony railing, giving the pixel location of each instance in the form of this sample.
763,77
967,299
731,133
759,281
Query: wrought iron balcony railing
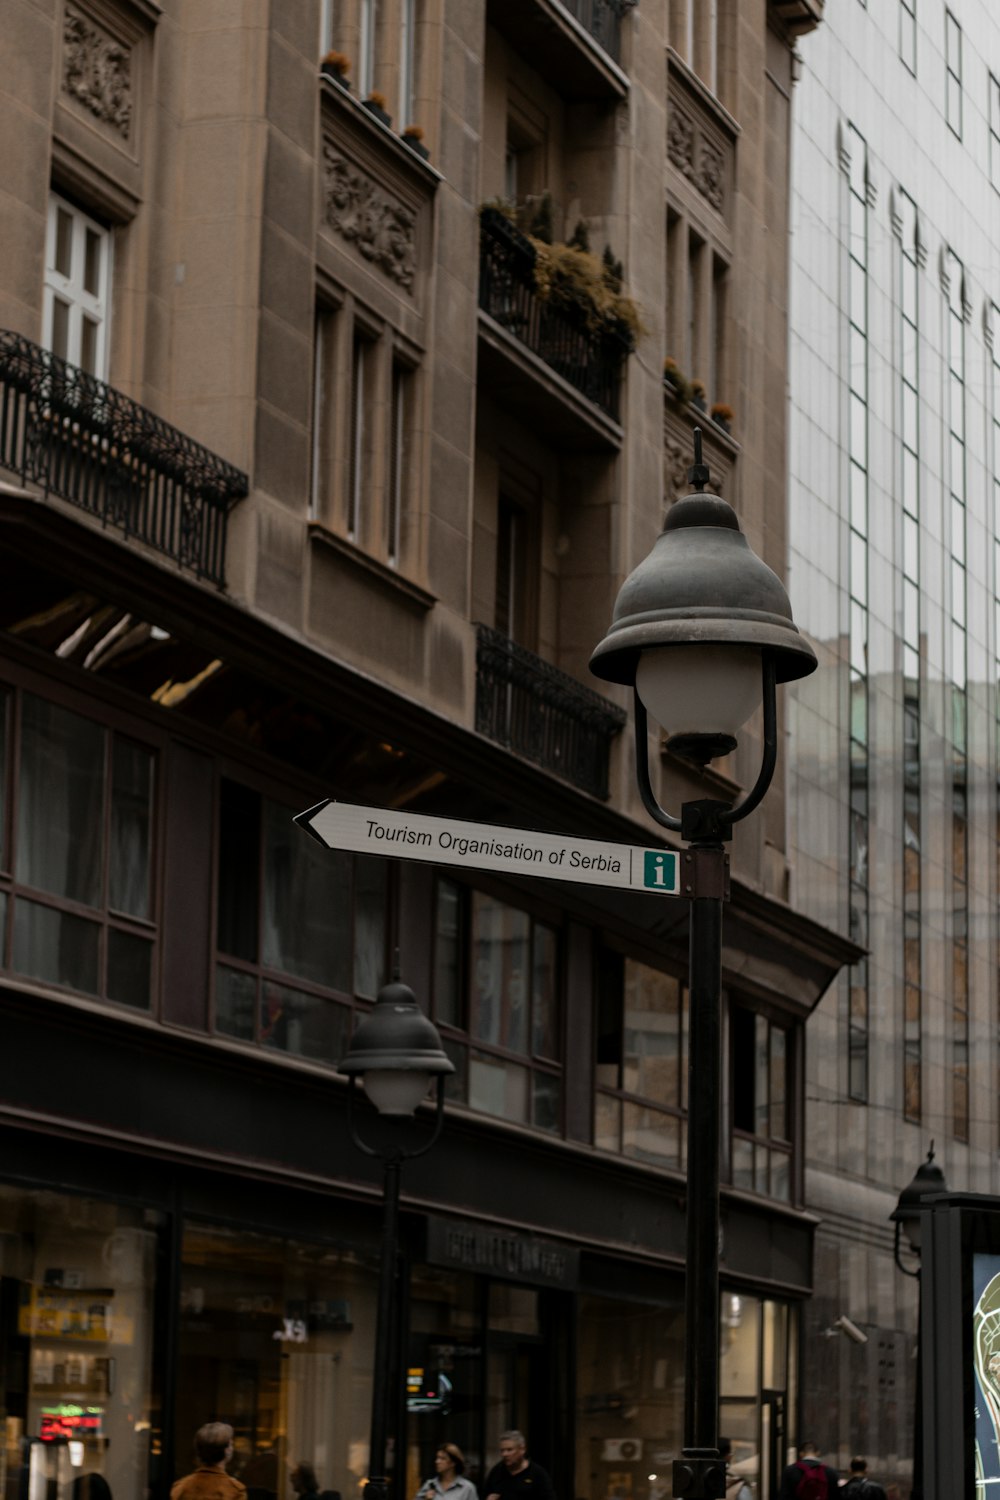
537,711
80,439
591,360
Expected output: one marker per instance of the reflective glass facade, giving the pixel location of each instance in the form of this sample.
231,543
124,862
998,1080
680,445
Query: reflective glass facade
893,751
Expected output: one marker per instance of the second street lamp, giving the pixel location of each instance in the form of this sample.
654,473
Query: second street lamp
396,1052
702,632
908,1218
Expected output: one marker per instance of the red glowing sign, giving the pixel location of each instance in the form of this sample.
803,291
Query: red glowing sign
69,1421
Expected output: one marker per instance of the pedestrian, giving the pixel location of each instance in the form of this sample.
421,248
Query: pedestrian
516,1476
859,1486
304,1482
213,1448
807,1478
736,1486
449,1476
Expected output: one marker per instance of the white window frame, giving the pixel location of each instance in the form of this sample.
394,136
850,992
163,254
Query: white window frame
82,305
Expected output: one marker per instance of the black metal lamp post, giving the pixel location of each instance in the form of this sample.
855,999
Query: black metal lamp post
396,1052
908,1219
702,631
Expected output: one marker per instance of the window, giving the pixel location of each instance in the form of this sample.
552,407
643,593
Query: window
269,1336
77,287
953,72
908,33
407,60
78,1282
694,35
909,453
323,350
76,888
857,442
761,1113
955,317
641,1062
364,461
994,91
326,18
300,930
697,280
361,351
497,997
512,615
399,433
367,22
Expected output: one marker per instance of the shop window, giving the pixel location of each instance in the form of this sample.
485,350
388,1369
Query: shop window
76,862
641,1062
76,1337
761,1105
301,930
276,1336
497,987
77,287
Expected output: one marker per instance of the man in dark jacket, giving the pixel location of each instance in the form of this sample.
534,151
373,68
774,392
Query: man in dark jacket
859,1486
516,1476
810,1477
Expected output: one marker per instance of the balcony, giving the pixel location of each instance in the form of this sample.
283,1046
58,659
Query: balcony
575,44
549,718
586,362
85,442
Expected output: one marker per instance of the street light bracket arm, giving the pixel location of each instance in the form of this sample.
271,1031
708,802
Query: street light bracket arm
709,820
394,1154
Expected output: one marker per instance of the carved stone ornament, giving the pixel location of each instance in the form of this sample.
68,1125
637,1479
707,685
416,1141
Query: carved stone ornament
680,142
710,174
381,228
97,72
695,149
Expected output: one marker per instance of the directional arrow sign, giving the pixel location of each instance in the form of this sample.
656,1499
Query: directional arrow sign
487,846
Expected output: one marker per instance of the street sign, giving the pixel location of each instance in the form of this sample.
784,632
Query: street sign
489,846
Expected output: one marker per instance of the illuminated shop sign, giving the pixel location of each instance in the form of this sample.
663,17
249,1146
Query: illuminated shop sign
69,1421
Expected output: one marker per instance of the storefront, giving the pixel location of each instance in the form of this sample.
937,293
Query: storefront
123,1328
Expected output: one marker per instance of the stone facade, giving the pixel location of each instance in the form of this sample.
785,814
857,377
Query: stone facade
422,457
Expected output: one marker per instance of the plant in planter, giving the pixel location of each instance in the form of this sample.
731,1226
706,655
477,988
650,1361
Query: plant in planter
678,384
376,103
697,397
413,135
574,280
722,415
336,65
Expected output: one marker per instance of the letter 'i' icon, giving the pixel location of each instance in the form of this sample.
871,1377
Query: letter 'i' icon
658,871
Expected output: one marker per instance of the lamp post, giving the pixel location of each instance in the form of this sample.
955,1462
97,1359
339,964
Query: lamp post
396,1052
702,631
909,1220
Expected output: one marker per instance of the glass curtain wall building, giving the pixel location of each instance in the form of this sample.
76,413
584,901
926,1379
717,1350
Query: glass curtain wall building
894,750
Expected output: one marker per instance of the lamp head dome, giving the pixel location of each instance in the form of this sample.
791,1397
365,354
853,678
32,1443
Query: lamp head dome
702,585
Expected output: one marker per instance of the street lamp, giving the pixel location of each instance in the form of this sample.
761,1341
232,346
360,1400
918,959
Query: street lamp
702,631
396,1052
909,1220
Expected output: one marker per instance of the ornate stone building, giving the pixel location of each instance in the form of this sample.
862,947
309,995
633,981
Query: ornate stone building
333,411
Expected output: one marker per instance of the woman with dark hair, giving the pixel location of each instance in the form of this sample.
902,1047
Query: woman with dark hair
448,1480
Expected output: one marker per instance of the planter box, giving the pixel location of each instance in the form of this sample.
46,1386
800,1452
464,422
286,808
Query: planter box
329,71
377,111
417,146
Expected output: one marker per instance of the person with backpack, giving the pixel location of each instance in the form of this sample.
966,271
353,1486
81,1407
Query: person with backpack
808,1479
859,1486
